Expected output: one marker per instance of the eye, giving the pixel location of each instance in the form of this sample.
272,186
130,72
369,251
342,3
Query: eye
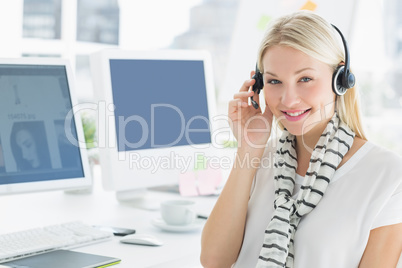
274,81
305,79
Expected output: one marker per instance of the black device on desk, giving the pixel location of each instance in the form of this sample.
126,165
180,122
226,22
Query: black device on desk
118,231
63,259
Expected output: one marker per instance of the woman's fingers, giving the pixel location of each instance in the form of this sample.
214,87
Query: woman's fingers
240,99
243,95
246,85
245,92
235,105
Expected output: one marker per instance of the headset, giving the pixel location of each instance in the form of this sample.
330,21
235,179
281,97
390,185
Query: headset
342,79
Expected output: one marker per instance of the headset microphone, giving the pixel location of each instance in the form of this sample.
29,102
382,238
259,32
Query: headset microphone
258,85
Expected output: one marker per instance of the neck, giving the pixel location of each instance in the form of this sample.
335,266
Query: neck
305,145
306,142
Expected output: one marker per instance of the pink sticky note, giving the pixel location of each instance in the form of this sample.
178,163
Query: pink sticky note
188,184
208,180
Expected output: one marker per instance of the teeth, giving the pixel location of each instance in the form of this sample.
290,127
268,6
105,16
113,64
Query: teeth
296,114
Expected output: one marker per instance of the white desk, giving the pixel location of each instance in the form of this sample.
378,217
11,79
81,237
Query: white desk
19,212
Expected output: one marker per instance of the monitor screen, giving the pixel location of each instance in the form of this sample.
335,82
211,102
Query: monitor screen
156,101
155,114
38,136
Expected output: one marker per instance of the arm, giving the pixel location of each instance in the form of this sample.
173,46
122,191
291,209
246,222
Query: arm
384,247
223,232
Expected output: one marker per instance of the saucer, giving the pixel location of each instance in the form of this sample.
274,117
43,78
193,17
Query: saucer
160,223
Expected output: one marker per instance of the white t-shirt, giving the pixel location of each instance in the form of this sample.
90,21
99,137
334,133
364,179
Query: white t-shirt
365,193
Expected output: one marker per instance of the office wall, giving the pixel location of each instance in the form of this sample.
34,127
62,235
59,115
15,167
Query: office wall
11,32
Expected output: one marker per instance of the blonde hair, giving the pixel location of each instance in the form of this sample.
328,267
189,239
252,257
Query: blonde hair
314,36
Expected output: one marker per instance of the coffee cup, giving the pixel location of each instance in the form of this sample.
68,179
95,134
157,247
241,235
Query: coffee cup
178,212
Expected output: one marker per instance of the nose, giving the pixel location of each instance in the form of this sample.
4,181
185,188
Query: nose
290,96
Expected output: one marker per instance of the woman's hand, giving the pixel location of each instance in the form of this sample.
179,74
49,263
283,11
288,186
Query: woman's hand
250,126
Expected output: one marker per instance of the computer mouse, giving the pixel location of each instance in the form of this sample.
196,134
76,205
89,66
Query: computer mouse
141,239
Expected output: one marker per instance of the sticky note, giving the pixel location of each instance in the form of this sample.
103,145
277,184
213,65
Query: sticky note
188,184
309,5
208,180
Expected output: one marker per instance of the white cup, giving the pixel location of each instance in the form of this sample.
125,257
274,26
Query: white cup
178,212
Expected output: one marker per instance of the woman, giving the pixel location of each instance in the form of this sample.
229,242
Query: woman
29,145
320,195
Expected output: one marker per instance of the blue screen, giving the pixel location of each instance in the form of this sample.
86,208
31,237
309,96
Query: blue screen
159,103
34,146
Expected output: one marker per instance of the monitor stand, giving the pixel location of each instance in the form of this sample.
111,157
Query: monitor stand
169,188
138,198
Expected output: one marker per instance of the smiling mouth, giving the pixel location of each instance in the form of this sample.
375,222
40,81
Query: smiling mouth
295,114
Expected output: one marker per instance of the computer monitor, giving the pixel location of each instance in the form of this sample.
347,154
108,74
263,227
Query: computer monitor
156,111
40,133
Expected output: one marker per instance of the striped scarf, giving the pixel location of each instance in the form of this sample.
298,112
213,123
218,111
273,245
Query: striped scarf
336,140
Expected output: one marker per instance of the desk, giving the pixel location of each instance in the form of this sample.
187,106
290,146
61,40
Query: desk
24,211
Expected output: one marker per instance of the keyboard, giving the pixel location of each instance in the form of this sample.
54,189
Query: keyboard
48,238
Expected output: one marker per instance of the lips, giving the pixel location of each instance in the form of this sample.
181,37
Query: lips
295,115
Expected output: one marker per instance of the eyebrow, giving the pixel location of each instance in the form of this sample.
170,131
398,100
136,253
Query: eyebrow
297,72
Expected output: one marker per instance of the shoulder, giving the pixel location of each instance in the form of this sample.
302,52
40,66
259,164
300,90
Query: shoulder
384,171
369,152
384,157
381,164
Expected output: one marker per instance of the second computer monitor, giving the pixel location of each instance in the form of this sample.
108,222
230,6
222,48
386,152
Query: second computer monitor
156,110
42,144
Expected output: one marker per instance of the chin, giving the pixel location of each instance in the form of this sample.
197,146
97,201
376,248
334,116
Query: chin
309,125
297,131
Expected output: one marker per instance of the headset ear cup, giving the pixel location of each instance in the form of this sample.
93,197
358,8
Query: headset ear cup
350,80
259,83
337,85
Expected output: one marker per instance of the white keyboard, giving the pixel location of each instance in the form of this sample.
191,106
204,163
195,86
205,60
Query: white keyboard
39,240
